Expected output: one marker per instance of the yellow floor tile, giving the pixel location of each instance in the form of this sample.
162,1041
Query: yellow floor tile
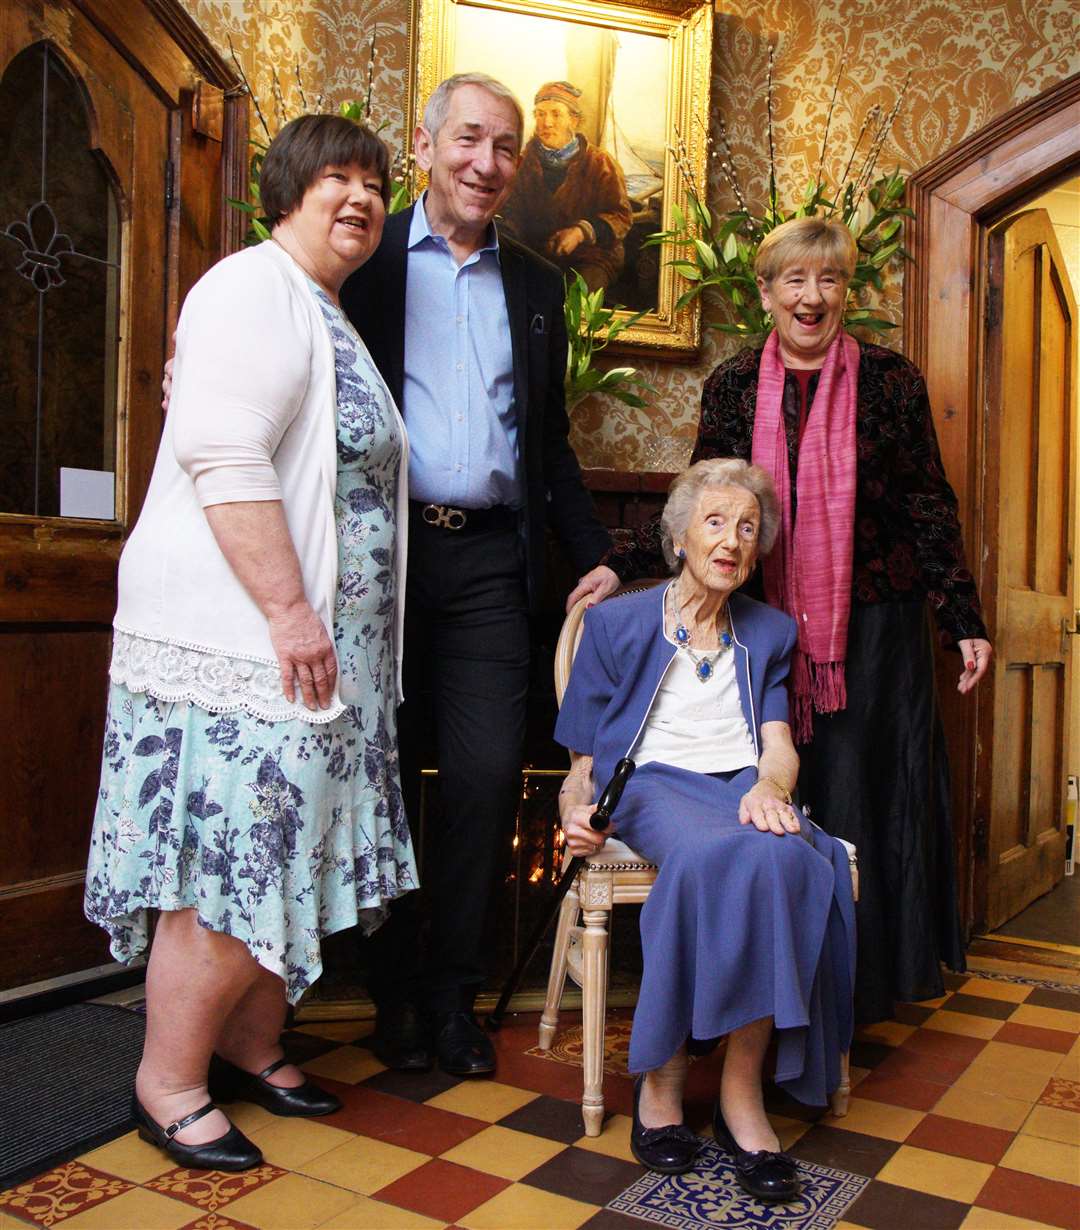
856,1074
1069,1068
1052,1159
528,1208
293,1202
248,1117
984,1109
289,1143
487,1100
137,1209
963,1023
348,1064
503,1152
338,1031
1047,1018
613,1141
989,988
375,1215
1017,1058
988,1219
1053,1123
130,1158
363,1165
954,1178
877,1119
890,1032
1012,1071
790,1131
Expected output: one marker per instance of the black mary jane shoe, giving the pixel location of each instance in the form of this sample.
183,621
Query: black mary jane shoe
669,1150
232,1084
771,1177
233,1151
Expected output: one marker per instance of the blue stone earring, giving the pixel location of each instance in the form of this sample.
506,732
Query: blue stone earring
681,553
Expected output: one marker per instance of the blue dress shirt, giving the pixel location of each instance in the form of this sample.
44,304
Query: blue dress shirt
459,375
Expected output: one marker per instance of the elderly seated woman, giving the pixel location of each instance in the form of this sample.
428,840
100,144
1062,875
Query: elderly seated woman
749,930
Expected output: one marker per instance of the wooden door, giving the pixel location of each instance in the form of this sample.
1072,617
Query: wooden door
94,99
1029,581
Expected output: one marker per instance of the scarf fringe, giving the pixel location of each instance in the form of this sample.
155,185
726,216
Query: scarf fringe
816,687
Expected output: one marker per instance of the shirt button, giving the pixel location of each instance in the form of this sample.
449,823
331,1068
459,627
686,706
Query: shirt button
459,468
461,418
461,320
461,367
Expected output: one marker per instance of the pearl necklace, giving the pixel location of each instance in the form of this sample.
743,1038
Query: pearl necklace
704,663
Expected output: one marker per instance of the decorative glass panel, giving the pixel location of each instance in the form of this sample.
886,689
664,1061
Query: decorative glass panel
59,295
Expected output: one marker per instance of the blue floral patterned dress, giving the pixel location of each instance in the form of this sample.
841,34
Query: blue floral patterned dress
277,833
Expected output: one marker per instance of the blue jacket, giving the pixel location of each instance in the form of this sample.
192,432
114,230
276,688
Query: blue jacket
624,655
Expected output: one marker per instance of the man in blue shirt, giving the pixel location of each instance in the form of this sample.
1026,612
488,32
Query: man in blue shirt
467,329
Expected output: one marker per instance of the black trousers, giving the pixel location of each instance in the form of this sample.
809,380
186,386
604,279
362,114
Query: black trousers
466,663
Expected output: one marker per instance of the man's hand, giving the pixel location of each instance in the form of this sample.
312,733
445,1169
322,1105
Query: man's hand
568,240
599,583
976,655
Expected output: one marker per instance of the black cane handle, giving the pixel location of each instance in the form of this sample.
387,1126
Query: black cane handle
609,800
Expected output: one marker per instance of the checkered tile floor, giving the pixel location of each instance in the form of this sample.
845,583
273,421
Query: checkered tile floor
966,1113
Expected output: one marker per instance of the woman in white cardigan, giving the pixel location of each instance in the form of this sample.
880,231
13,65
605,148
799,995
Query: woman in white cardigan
250,788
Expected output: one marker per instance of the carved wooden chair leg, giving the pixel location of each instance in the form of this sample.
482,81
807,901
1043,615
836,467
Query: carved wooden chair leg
594,1006
549,1018
841,1099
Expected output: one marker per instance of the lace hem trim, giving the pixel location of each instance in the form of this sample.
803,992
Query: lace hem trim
217,682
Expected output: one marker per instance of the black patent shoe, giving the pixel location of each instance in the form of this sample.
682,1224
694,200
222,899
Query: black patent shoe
233,1151
772,1177
402,1039
233,1084
669,1150
462,1046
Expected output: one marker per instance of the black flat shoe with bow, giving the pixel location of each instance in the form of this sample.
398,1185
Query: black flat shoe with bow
232,1084
672,1149
233,1151
772,1177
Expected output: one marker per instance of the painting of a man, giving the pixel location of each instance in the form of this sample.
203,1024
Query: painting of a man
569,200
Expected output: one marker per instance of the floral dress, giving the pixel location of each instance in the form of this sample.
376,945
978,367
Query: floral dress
277,833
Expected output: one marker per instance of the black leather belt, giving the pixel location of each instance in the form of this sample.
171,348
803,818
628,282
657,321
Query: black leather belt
463,520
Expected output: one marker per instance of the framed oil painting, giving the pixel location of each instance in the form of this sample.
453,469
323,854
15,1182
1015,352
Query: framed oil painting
609,91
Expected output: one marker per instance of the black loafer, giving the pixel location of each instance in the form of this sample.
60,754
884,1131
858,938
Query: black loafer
668,1150
772,1177
462,1046
402,1040
233,1151
233,1084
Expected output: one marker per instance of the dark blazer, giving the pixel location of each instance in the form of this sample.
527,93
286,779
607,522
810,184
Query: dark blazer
374,300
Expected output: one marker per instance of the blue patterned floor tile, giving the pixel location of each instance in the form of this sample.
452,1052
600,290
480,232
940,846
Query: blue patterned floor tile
709,1198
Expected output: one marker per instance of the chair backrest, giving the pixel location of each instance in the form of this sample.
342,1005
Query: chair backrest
570,636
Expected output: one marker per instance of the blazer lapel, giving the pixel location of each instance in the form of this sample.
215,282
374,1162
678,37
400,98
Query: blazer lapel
512,268
392,287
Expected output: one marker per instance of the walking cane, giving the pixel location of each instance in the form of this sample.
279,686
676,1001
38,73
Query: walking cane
599,820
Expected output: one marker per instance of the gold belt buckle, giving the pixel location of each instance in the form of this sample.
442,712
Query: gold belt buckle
444,517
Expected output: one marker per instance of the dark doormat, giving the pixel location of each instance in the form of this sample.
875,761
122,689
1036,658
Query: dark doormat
65,1085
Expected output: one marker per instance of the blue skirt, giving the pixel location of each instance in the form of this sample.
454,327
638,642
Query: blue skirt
740,925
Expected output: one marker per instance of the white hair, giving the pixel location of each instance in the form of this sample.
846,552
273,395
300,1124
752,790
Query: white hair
717,472
438,105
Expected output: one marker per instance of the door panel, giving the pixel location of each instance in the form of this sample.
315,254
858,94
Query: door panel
1031,344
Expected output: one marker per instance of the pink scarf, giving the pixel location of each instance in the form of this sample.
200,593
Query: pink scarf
808,573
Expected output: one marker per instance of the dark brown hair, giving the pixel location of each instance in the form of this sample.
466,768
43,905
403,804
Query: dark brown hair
300,151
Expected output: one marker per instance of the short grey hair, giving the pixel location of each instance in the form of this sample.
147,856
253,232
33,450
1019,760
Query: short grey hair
717,472
438,105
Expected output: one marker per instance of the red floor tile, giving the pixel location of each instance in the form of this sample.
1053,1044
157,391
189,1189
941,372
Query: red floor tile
212,1189
58,1194
1026,1195
410,1125
1062,1093
905,1063
914,1092
443,1190
937,1042
1034,1035
942,1135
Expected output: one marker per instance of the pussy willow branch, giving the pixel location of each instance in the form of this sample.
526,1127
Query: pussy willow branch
247,86
727,165
300,84
370,74
772,156
828,120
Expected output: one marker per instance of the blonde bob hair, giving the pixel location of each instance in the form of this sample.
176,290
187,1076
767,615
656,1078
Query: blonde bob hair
717,472
815,243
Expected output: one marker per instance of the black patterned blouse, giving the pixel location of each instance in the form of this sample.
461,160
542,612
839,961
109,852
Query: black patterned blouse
907,534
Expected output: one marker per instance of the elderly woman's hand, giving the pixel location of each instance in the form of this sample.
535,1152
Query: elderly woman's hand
764,807
581,839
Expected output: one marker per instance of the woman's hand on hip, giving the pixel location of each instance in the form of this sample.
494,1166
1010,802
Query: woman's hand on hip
762,807
581,839
976,655
305,654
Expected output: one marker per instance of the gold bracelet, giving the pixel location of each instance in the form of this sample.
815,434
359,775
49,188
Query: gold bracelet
783,790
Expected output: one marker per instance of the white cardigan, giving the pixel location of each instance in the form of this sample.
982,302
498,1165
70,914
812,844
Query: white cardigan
253,416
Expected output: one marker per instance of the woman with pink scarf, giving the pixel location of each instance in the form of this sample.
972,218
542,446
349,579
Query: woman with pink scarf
869,539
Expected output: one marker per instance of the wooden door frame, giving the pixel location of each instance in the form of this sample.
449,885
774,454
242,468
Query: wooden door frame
955,199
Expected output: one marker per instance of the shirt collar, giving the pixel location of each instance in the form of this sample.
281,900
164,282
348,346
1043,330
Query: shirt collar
419,230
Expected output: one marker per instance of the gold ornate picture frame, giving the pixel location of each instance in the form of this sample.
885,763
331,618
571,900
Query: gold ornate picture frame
641,73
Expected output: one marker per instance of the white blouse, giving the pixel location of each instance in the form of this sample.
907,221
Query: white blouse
694,725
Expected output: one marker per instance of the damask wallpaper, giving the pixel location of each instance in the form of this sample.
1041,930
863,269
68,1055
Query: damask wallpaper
967,61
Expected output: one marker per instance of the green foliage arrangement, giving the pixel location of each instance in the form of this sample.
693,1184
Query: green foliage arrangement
590,327
718,251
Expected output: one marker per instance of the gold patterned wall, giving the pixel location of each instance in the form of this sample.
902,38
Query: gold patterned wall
968,61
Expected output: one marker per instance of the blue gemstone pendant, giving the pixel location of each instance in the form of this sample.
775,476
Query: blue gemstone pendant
681,635
704,671
725,639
